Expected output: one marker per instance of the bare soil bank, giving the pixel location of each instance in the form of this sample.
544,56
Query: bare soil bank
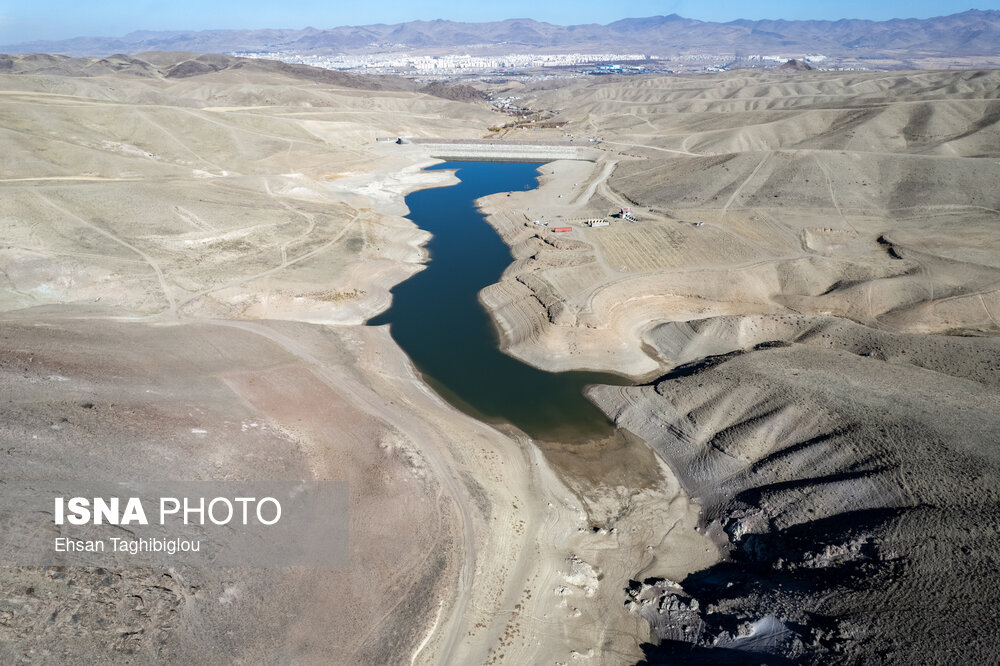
811,297
198,253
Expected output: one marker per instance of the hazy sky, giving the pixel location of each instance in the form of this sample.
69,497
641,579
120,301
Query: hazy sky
26,20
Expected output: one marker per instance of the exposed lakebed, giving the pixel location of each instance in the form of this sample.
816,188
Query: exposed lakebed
437,319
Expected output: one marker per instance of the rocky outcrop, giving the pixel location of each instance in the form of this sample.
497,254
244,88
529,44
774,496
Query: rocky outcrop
850,512
794,65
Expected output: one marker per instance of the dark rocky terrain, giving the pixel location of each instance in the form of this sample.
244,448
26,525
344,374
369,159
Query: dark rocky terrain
851,476
795,65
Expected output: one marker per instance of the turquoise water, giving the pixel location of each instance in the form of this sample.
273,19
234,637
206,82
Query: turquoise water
437,319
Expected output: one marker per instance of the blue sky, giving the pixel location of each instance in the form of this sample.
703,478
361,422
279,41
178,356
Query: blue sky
26,20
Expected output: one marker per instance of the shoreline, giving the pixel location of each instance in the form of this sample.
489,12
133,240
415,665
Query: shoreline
535,326
602,505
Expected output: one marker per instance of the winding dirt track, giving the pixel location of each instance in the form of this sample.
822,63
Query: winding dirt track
280,267
172,306
370,402
736,193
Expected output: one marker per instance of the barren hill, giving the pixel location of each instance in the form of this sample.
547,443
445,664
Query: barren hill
179,235
811,298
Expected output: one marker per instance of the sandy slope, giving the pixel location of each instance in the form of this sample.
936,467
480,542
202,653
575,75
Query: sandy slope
134,202
822,346
197,254
868,197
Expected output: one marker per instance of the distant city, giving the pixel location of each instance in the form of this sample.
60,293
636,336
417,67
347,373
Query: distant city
531,65
441,49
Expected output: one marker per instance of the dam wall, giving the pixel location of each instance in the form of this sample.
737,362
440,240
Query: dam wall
485,150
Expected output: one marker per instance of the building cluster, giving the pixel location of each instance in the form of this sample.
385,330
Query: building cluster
393,63
531,66
507,105
623,214
811,59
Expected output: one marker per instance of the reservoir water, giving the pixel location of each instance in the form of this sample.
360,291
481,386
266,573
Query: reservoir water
438,321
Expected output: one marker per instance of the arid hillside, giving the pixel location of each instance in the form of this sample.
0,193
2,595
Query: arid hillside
866,197
180,184
188,248
812,296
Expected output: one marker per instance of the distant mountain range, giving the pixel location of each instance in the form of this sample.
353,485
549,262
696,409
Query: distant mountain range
970,33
